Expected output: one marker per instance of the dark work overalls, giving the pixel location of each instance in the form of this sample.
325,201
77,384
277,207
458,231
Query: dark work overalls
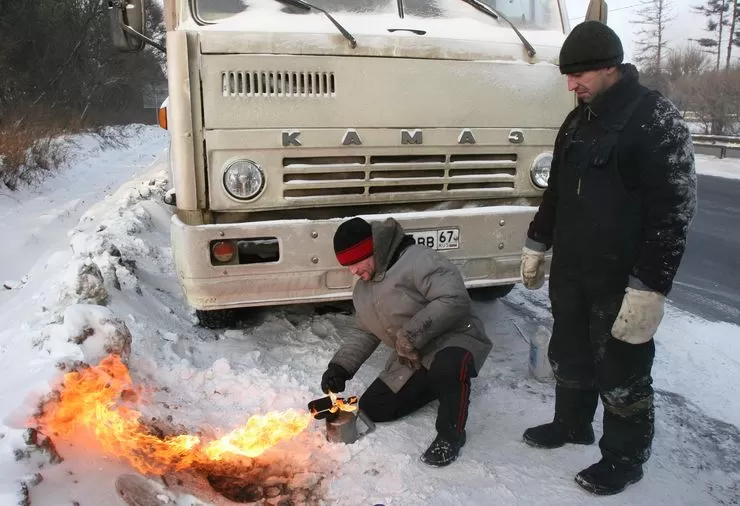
597,234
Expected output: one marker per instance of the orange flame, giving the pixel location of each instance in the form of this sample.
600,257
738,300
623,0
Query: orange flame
339,404
93,400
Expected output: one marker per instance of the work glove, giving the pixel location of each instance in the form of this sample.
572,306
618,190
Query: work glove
532,268
407,353
639,316
334,379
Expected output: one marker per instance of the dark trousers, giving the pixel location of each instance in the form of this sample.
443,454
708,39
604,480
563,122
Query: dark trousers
588,362
448,379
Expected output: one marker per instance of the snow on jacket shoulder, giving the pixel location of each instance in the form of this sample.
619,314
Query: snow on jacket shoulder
655,161
667,182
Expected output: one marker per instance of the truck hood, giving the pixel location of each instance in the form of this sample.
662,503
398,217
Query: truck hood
376,35
290,91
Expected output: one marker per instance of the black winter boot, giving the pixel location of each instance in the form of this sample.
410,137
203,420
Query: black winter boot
443,451
607,478
555,435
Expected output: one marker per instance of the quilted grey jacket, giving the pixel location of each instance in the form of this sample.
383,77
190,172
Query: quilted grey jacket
422,293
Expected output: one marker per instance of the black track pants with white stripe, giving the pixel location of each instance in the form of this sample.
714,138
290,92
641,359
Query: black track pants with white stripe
448,380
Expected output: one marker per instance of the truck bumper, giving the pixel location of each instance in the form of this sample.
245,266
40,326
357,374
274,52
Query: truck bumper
489,252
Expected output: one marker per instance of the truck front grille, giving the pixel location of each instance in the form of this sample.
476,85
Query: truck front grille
380,178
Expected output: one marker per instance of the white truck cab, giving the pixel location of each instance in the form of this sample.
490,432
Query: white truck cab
286,117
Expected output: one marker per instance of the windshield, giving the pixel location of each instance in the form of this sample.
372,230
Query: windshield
525,14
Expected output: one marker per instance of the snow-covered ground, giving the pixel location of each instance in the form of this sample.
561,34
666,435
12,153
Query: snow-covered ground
98,231
708,165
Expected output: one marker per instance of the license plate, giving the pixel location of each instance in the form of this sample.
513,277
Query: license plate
444,238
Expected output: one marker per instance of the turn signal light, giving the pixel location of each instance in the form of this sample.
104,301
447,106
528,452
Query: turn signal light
223,251
162,117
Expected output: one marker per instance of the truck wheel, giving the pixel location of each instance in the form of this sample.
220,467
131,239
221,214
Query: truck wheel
344,307
217,318
490,292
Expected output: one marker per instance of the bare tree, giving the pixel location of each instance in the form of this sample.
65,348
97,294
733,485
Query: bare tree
60,73
57,56
688,60
683,67
734,35
716,96
653,17
716,12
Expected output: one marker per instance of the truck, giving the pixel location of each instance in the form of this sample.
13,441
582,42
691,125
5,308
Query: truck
288,116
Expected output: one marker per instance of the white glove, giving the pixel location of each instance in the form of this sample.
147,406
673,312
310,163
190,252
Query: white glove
533,268
639,316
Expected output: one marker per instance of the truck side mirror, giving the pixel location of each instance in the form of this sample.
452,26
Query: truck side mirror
597,11
126,16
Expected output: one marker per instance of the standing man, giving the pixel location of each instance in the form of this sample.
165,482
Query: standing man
413,300
621,195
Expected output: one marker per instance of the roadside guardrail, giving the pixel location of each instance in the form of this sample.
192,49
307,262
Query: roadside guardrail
721,146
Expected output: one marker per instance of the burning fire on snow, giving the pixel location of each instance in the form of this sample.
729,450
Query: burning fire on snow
98,401
339,404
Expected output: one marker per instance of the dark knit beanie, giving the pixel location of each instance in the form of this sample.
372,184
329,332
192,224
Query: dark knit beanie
353,241
591,45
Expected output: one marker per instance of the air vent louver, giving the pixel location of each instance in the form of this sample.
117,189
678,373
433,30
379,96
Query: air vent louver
272,83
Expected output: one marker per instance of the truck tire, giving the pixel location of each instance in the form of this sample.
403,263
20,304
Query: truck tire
217,318
490,292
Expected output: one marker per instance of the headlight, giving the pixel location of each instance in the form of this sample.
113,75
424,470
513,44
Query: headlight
540,170
244,179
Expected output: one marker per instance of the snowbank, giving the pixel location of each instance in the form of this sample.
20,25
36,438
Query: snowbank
719,167
211,382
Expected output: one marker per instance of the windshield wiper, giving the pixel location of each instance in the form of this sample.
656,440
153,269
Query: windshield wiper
495,15
307,6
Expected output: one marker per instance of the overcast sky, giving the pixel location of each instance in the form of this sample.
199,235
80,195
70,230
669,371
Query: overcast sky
622,15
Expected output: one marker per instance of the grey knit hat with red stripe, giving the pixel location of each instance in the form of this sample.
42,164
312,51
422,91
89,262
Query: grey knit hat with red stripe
591,45
353,241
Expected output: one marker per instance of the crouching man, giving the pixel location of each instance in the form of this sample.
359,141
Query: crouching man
413,300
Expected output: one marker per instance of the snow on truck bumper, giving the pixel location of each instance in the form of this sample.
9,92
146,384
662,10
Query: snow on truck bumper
484,242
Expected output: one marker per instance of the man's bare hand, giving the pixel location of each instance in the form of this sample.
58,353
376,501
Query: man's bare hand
405,350
411,364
